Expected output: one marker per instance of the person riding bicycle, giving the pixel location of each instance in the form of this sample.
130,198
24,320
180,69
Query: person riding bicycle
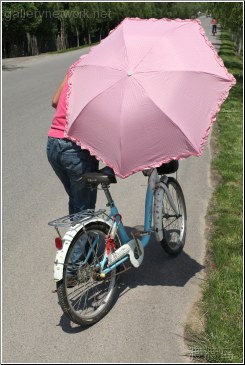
214,23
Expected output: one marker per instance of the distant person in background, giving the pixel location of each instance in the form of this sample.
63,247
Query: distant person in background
214,23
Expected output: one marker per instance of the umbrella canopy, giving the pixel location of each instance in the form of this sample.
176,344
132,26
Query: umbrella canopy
148,93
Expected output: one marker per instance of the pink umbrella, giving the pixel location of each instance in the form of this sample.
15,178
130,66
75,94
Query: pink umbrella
148,93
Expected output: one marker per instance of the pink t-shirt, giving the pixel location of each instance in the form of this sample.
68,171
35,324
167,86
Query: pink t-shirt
59,118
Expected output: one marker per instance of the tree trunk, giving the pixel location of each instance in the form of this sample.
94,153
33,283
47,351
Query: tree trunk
34,45
4,49
100,33
32,48
28,36
62,34
240,46
89,37
58,43
77,37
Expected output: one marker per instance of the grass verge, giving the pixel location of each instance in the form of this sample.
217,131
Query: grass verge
221,338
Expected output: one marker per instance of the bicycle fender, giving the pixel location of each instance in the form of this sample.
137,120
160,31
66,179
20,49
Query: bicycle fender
67,239
158,212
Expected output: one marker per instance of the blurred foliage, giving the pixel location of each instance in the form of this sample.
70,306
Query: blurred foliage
79,23
229,15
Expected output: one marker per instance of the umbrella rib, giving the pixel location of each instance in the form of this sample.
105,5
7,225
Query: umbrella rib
108,88
120,118
125,42
186,71
156,43
108,66
166,115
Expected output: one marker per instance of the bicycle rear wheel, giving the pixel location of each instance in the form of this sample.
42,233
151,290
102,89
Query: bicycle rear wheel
174,224
83,296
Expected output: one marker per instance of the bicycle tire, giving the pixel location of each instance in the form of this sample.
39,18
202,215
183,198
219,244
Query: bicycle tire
174,226
74,302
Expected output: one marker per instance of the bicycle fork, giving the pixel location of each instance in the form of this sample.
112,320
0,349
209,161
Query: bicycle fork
161,189
163,184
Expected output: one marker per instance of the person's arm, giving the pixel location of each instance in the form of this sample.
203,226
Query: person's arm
57,93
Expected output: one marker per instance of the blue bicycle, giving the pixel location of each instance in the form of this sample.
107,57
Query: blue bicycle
96,249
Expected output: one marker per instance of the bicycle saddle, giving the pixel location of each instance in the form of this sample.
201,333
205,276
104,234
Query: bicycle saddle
105,175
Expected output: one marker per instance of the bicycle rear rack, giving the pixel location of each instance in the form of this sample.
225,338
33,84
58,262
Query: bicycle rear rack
73,219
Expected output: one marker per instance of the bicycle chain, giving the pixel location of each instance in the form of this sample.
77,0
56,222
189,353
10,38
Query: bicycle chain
121,272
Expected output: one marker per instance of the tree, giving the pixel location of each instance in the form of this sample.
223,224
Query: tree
230,16
19,23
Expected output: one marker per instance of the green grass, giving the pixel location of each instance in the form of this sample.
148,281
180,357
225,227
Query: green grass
222,302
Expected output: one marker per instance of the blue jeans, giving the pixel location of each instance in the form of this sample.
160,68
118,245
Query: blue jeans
70,162
78,255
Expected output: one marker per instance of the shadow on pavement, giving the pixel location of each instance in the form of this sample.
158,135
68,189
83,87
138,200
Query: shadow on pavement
216,44
11,67
69,327
161,269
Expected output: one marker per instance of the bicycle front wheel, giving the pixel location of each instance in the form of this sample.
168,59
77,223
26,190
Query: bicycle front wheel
174,223
83,296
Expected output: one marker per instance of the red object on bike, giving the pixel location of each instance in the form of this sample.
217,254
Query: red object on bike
58,243
117,215
110,245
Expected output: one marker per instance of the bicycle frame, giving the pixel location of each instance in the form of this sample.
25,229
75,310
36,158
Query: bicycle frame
153,181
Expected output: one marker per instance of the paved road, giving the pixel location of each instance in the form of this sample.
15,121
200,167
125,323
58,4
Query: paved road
147,322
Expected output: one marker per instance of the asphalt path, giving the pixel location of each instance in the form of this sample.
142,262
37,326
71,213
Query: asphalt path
147,322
